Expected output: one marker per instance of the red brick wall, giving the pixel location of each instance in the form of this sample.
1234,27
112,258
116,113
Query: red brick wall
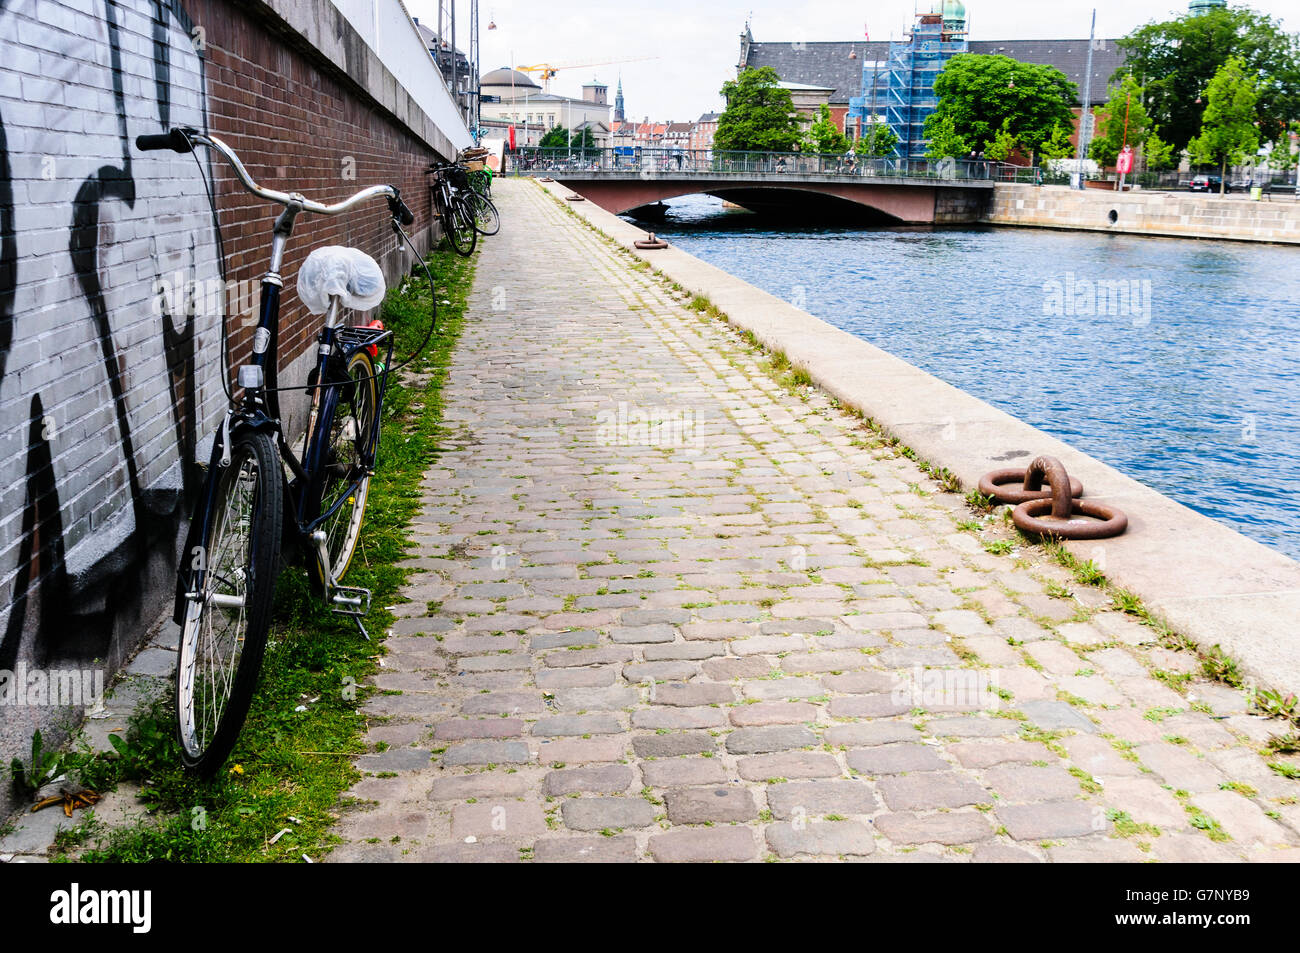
299,126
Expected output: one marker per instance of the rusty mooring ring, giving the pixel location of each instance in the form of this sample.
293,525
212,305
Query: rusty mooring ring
998,485
1105,522
546,178
654,241
574,198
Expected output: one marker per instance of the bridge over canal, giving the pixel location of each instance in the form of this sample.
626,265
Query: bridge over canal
896,190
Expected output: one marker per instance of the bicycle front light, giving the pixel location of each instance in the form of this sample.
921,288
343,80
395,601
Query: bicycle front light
250,377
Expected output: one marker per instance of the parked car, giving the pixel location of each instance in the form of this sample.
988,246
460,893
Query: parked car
1209,183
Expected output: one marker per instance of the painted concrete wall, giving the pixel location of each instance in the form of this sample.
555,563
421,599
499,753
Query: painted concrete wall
107,386
1182,214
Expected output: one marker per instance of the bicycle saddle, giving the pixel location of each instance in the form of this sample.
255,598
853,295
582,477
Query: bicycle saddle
348,273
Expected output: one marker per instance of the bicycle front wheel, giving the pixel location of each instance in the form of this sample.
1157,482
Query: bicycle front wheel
223,638
487,221
349,429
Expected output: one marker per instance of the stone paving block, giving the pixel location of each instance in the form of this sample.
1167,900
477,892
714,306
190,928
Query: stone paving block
607,813
768,738
497,819
1002,854
601,677
986,754
1051,820
1180,767
870,706
577,725
874,732
729,669
668,671
503,703
932,790
1243,819
782,688
672,745
1054,716
582,750
895,759
679,718
820,838
683,772
703,845
692,694
791,765
603,779
1098,757
585,850
492,784
487,752
460,729
955,827
972,727
818,798
714,804
772,713
861,683
1020,783
642,634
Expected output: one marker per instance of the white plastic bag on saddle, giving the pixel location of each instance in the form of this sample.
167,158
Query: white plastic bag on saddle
347,272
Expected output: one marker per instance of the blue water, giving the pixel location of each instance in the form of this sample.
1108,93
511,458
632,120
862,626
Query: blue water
1193,388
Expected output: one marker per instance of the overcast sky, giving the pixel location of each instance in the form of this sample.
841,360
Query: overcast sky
696,42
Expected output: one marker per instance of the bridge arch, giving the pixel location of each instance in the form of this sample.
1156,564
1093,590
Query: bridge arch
897,201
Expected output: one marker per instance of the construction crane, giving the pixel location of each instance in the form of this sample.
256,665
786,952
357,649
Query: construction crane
548,70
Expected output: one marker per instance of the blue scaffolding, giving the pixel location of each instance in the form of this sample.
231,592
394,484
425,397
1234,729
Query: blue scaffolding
903,91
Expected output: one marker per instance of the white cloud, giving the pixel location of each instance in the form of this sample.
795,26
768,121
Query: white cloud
696,42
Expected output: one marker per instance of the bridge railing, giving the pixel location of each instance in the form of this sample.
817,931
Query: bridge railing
661,162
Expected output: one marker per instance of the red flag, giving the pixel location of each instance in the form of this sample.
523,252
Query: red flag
866,31
512,137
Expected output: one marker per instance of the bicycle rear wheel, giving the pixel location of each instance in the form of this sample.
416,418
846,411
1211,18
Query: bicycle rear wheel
487,221
348,428
223,638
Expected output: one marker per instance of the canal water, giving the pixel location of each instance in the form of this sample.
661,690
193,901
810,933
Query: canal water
1175,361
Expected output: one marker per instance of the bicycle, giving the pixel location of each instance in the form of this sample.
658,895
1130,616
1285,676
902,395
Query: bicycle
250,508
487,220
451,203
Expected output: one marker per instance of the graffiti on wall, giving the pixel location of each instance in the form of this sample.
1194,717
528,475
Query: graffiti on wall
105,385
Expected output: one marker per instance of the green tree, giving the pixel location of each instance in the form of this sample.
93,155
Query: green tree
1158,154
1004,144
945,141
1175,60
823,136
557,137
878,140
583,139
1059,146
1123,119
986,98
1230,130
760,115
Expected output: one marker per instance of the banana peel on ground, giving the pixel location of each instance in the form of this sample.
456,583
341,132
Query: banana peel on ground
69,800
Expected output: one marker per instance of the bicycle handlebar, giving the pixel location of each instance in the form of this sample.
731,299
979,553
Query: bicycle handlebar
183,140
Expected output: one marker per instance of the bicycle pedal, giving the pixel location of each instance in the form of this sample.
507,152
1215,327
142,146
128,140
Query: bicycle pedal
350,600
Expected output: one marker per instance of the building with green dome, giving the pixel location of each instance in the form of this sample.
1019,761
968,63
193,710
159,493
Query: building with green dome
1197,7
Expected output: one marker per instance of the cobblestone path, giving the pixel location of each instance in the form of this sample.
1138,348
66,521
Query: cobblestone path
747,631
